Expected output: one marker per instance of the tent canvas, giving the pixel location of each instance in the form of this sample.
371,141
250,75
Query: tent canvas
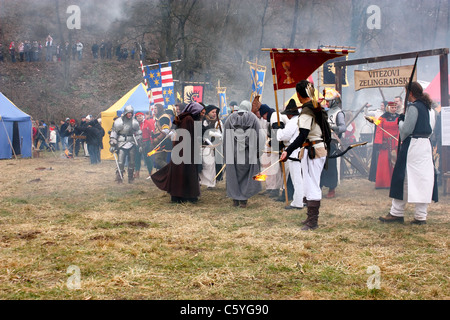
137,98
15,128
434,88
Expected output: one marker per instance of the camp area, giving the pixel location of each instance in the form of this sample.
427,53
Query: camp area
243,155
130,242
15,133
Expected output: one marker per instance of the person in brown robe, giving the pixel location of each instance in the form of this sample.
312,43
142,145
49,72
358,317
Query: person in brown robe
180,176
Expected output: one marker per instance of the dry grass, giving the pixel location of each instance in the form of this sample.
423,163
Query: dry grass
130,242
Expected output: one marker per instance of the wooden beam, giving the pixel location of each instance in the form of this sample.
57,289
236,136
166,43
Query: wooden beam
443,64
400,56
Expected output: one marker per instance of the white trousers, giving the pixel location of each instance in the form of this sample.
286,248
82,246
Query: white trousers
295,171
398,206
312,169
208,173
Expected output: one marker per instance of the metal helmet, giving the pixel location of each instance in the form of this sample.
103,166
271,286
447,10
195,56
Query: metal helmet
128,109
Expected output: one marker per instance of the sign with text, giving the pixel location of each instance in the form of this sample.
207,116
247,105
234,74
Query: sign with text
445,126
386,77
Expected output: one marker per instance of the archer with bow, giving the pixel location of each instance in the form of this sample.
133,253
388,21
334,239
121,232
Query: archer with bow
313,144
414,178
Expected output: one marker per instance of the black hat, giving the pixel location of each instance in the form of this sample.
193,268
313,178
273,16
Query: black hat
210,108
291,108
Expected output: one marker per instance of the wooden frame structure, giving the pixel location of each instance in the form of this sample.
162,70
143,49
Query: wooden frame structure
443,67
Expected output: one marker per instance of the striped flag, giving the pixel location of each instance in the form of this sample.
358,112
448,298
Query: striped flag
168,91
155,85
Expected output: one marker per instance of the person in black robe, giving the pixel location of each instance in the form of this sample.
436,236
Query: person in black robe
180,176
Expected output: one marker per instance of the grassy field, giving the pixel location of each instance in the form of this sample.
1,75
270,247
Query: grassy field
129,242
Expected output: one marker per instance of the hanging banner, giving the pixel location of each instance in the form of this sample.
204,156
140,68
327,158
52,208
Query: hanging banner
386,77
292,65
257,74
222,93
193,94
328,73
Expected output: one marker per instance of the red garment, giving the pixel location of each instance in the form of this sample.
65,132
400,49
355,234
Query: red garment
388,151
35,132
147,128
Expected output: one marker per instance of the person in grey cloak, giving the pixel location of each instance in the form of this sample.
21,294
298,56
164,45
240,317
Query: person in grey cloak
125,138
242,145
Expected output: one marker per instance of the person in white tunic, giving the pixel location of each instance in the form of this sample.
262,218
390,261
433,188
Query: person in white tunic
274,182
287,135
413,179
212,142
313,152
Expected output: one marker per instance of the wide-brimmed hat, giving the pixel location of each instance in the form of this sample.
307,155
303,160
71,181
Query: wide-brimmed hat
291,108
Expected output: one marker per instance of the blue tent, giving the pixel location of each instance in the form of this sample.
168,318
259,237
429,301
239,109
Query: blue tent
15,130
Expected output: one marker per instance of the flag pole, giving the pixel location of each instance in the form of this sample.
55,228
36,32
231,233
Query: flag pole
157,64
254,79
149,92
275,87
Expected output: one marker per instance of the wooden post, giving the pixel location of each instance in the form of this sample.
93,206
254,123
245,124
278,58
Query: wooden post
275,85
445,156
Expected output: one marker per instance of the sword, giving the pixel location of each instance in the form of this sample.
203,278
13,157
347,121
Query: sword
117,164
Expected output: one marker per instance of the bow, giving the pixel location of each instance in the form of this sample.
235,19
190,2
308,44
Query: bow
334,156
408,90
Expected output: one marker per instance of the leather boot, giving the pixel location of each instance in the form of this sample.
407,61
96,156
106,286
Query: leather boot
130,175
311,222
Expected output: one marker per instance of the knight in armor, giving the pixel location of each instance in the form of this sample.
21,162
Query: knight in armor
336,119
125,140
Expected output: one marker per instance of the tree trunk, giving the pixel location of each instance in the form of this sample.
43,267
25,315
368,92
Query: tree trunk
294,24
66,74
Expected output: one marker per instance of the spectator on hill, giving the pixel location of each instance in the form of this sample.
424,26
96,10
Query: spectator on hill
27,51
48,48
95,50
102,50
35,50
79,50
109,50
12,51
21,51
